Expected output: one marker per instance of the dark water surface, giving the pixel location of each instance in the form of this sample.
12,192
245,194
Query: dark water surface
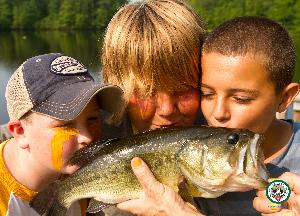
16,47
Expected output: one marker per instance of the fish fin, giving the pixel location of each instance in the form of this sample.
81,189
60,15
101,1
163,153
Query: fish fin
96,206
194,190
185,193
86,154
206,193
57,210
46,202
197,191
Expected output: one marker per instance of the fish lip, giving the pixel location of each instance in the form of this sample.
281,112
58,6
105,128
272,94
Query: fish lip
254,148
166,125
254,145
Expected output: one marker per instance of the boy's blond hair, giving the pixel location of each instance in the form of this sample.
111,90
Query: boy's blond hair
152,45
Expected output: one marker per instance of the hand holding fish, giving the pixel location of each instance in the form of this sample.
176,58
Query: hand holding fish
158,198
261,202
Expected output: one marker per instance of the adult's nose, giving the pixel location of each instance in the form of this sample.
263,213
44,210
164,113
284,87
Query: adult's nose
165,103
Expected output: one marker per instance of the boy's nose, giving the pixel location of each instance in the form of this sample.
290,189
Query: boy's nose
84,137
221,112
165,103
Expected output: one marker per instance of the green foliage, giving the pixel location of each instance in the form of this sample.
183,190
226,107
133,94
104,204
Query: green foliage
95,14
26,14
57,14
214,12
66,15
5,14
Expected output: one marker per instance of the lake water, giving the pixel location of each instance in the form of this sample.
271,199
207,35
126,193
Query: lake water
16,47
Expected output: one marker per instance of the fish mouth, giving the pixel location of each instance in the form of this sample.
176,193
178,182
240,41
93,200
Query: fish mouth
253,147
250,171
258,157
257,168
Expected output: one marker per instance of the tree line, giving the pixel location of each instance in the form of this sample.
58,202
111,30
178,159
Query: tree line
57,14
95,14
214,12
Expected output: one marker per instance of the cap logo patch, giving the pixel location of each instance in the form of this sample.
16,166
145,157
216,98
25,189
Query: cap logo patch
67,65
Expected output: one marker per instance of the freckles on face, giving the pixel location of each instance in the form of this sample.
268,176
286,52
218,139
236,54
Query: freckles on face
164,109
95,130
141,110
189,103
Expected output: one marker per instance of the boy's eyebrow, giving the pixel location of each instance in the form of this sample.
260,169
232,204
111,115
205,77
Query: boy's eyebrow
96,109
236,90
248,91
55,122
205,86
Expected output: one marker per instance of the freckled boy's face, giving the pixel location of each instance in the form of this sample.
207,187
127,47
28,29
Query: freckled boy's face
53,142
237,92
164,109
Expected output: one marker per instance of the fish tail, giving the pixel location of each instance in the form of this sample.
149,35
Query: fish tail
46,202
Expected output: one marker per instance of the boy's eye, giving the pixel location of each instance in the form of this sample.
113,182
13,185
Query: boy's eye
66,125
243,100
94,119
184,96
206,94
188,94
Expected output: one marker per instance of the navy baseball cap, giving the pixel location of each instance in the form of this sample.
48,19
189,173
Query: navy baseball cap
58,86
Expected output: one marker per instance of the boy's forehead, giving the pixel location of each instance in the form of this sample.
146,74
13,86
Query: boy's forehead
213,60
259,57
42,118
234,71
169,88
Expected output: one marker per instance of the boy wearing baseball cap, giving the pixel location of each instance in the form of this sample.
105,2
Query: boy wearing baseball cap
53,104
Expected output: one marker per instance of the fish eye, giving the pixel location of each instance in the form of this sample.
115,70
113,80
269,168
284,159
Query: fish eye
233,138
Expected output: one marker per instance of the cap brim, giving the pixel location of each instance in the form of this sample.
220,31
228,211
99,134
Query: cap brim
67,103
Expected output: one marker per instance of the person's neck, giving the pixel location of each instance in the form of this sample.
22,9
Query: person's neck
24,169
276,139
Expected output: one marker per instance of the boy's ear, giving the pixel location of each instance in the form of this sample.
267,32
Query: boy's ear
16,128
288,95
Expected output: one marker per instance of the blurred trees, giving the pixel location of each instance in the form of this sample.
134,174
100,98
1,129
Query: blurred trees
5,14
95,14
214,12
57,14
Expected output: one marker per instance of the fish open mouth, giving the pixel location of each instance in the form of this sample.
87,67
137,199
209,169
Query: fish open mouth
250,162
258,157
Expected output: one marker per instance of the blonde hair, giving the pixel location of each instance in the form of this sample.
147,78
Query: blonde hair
153,44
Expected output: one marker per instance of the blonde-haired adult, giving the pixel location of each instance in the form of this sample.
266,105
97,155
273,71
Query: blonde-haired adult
152,45
151,49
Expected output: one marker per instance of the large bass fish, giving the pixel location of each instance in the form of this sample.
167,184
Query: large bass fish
212,160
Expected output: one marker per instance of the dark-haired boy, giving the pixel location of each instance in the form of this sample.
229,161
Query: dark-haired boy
248,64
